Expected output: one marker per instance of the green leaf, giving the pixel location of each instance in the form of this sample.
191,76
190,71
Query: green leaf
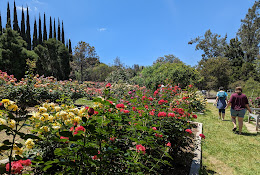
66,134
7,142
31,136
84,119
47,167
4,147
2,127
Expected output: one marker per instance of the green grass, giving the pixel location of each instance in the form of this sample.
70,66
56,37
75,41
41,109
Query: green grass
84,101
225,152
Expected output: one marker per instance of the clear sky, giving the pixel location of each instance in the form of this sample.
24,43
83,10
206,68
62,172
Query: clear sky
139,31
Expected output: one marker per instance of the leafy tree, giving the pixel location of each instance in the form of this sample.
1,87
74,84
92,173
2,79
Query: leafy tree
23,26
53,59
40,31
62,34
168,59
212,44
44,29
14,53
99,73
234,52
173,73
8,21
15,21
28,31
249,33
35,39
84,57
50,32
216,72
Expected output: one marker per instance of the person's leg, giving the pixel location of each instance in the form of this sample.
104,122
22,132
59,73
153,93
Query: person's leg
223,115
240,123
234,122
219,113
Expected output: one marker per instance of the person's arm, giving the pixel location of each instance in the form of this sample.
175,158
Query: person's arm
229,104
217,99
248,108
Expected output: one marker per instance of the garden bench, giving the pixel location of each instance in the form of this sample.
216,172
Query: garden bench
255,115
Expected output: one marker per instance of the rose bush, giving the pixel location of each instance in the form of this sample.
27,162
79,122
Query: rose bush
142,132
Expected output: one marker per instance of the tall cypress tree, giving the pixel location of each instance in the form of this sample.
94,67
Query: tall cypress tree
50,32
54,30
40,30
28,31
1,30
70,48
67,44
44,29
58,29
15,22
8,22
62,34
23,26
35,39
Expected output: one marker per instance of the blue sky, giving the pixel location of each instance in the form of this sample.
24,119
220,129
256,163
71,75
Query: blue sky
139,31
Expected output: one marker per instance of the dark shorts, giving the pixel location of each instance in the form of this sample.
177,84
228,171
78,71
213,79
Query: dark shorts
221,111
240,113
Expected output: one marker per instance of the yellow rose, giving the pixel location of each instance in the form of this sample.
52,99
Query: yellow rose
3,121
45,105
11,123
42,109
76,119
51,118
19,151
71,115
29,143
45,128
6,101
46,116
57,108
56,126
67,122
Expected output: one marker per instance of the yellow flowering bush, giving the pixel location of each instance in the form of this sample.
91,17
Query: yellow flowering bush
12,120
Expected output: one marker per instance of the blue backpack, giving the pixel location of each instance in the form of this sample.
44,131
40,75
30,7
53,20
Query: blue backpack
221,95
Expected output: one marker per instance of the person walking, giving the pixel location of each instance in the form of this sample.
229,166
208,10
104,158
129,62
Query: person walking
239,104
221,101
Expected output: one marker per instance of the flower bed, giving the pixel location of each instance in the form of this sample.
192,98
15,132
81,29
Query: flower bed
143,132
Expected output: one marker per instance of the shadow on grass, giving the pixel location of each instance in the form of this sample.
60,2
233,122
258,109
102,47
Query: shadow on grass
205,171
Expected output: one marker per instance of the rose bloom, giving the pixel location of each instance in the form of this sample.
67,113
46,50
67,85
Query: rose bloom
79,128
91,111
16,167
140,148
158,135
162,114
61,137
25,162
112,138
120,106
188,131
151,113
108,85
134,108
126,111
171,114
144,97
130,92
154,128
194,116
169,144
150,98
202,136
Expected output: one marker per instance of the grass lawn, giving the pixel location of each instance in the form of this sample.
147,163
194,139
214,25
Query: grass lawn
224,152
84,101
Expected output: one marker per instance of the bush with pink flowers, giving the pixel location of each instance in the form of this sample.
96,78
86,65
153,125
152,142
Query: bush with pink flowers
143,132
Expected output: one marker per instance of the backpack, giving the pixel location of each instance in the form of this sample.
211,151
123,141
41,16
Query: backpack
221,94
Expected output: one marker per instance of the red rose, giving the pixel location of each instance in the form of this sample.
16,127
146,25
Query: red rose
188,131
202,136
154,128
150,98
171,114
25,162
169,144
162,114
194,116
120,106
108,85
140,148
91,111
126,111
